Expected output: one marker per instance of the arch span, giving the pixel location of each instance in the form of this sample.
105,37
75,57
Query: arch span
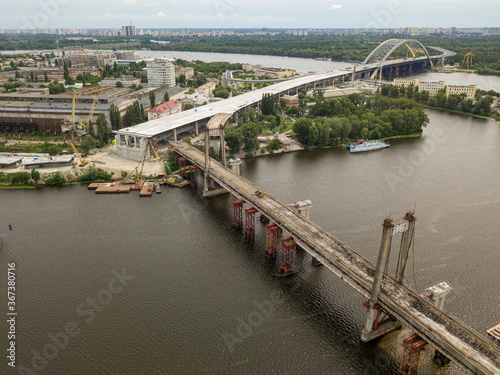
385,49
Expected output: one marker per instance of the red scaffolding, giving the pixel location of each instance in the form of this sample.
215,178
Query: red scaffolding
193,175
250,223
287,247
182,167
238,214
413,346
210,183
272,231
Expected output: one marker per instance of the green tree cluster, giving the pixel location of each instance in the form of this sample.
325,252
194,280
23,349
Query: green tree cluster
136,114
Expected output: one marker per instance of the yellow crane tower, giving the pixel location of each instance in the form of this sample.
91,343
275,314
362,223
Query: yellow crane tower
467,61
411,50
162,167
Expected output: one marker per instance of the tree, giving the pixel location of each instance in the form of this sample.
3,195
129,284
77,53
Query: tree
115,117
152,99
249,133
56,88
21,178
302,107
45,77
301,130
267,104
135,114
91,129
313,135
273,144
410,91
102,129
119,84
166,97
424,96
188,106
55,179
182,80
394,91
88,143
221,92
233,140
35,175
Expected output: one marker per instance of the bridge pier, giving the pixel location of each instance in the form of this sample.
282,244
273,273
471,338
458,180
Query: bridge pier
373,327
238,214
250,223
193,175
287,247
235,165
405,247
272,231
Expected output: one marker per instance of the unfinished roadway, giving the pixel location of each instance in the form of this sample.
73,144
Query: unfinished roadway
448,335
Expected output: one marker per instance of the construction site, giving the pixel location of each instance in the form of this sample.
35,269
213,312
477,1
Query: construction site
29,110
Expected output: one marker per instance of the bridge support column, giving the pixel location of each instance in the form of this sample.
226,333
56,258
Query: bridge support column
272,231
304,208
175,135
222,147
197,131
207,159
253,86
250,223
193,175
374,328
238,214
287,247
235,165
413,346
405,247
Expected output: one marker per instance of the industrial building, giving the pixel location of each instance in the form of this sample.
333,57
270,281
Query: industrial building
28,111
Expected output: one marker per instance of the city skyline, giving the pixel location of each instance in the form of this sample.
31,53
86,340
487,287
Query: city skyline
250,14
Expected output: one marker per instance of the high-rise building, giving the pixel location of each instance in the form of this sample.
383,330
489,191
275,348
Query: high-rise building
161,72
128,30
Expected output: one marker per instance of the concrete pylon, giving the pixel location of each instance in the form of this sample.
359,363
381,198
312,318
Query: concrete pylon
235,165
405,247
207,159
369,333
222,146
304,208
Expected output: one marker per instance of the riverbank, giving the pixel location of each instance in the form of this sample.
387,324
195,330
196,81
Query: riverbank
460,112
298,147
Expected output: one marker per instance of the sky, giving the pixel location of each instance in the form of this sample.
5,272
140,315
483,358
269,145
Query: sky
249,13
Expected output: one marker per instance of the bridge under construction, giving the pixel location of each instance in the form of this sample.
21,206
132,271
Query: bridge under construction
386,295
131,142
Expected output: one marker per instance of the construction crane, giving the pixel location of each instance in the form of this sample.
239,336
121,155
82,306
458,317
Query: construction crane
467,61
83,161
411,50
72,128
91,113
157,158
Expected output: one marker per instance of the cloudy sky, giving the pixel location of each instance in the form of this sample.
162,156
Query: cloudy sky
249,13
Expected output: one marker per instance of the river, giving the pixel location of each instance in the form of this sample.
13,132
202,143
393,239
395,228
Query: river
303,65
193,297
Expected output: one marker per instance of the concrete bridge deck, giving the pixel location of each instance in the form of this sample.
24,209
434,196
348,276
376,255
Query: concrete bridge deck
441,330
